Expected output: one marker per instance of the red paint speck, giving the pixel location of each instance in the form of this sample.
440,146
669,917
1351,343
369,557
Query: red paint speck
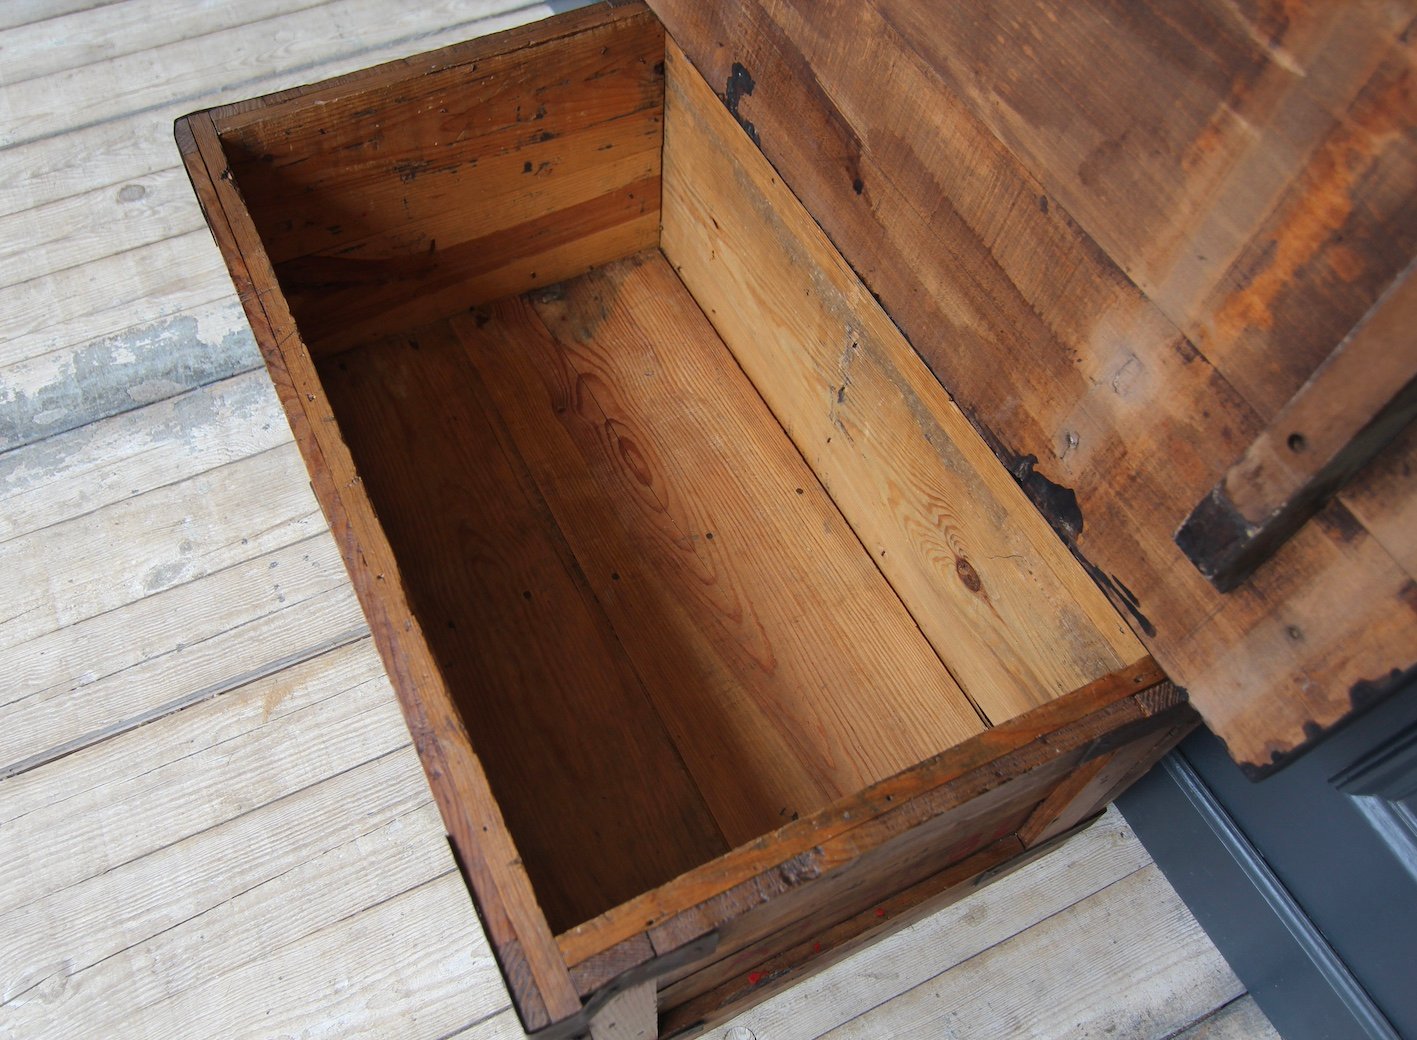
755,977
880,912
816,947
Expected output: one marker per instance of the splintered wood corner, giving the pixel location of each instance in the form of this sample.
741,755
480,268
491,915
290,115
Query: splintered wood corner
725,640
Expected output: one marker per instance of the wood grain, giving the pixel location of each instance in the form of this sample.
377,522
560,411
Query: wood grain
781,662
98,570
1011,614
514,924
200,838
1258,189
1093,939
629,1015
933,947
1104,409
1083,724
1360,398
392,200
758,972
597,799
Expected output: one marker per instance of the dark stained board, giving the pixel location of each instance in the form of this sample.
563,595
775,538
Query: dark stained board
1055,301
595,795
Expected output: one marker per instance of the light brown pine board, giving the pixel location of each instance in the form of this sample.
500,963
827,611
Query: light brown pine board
1186,183
1083,384
475,121
475,825
597,799
389,203
1384,499
784,666
1005,606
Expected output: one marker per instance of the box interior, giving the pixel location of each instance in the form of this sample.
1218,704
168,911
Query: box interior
696,540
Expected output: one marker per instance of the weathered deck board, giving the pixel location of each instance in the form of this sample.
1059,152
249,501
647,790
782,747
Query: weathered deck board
1241,1019
116,555
263,858
150,360
1063,975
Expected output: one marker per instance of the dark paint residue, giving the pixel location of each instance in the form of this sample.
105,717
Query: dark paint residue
740,85
1057,503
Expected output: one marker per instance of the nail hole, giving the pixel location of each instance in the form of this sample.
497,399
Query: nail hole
1297,443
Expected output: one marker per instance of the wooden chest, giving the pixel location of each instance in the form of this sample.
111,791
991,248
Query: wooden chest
725,639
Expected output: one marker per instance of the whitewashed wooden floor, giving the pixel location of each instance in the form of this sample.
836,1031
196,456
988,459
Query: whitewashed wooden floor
212,822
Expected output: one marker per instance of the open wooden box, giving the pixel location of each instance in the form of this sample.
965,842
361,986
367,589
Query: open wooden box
725,640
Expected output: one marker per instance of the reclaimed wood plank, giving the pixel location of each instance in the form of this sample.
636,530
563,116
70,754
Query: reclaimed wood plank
206,903
326,980
131,796
1384,499
1241,1019
80,304
384,206
140,145
751,612
1008,610
1357,400
64,41
23,12
1002,761
87,227
182,71
1258,190
107,461
756,972
577,757
629,1015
